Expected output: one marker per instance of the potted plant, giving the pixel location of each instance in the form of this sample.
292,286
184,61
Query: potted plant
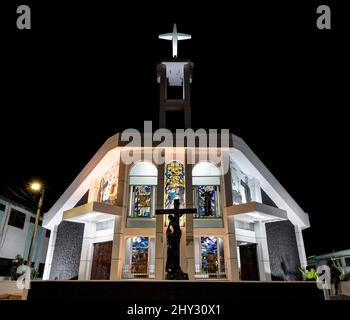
308,275
17,269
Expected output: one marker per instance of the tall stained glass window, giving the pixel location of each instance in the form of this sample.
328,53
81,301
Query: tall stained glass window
174,184
139,254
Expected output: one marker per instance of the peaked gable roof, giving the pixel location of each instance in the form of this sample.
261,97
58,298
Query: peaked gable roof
110,151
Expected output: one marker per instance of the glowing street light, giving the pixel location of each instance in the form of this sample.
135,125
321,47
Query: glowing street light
36,187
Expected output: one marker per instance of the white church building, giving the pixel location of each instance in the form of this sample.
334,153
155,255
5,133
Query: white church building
104,227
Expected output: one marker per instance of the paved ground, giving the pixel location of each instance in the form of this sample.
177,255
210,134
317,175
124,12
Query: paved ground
125,291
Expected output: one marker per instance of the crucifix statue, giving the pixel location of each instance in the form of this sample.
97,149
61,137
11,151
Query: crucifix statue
173,236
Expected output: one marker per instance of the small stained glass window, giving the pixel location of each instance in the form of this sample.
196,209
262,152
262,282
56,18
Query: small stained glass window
139,258
142,197
143,182
212,255
207,201
209,255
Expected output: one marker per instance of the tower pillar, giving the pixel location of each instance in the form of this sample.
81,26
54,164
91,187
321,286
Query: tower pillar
175,77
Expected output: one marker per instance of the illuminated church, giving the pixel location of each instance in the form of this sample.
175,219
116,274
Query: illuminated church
104,226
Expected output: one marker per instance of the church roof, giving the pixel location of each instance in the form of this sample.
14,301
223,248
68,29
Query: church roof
243,155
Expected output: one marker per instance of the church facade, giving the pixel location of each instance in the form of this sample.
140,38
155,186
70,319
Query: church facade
104,226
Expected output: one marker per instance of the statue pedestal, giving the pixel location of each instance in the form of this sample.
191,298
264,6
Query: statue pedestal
177,275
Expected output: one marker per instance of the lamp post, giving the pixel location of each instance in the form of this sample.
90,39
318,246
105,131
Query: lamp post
37,187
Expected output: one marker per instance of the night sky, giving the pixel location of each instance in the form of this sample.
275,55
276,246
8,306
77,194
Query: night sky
88,71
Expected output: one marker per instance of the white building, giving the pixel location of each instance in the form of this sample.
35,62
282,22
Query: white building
16,229
342,256
104,225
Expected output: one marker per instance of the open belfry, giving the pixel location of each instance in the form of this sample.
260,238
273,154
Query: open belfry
186,218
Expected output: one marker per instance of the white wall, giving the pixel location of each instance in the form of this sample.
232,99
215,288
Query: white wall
14,241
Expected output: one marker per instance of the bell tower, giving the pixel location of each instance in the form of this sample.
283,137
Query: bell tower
175,78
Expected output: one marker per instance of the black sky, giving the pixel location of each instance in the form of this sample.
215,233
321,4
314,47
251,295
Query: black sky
87,71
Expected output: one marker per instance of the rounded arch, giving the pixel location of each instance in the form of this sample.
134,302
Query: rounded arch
143,168
143,173
205,169
206,183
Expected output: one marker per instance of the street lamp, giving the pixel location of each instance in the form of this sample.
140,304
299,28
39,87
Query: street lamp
36,187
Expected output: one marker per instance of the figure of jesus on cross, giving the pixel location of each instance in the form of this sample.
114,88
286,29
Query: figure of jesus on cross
173,236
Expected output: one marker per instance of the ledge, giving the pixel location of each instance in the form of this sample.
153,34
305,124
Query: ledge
208,223
141,222
92,212
254,211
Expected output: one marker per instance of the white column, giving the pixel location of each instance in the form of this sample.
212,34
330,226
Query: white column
230,246
93,191
162,94
257,191
190,264
49,254
301,247
160,254
86,252
262,251
118,250
188,236
160,248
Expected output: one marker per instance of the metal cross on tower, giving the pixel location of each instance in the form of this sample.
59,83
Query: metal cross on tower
175,37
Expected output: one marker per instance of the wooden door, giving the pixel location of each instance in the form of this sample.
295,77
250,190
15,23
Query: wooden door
249,262
101,263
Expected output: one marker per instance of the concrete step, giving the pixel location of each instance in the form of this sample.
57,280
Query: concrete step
339,297
10,297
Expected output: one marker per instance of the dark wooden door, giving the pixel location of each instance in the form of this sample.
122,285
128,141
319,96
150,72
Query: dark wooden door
249,262
101,263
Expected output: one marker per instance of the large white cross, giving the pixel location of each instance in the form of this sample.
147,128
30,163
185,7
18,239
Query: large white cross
175,36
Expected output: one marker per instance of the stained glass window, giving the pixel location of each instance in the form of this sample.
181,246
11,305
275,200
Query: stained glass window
207,201
212,254
142,196
174,184
206,183
139,254
143,182
209,250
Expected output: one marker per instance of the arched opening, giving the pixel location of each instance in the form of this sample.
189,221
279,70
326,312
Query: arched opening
143,179
206,184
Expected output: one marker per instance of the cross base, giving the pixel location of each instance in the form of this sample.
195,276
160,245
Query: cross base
177,275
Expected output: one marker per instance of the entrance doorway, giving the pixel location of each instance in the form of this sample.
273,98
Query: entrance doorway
101,263
249,262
